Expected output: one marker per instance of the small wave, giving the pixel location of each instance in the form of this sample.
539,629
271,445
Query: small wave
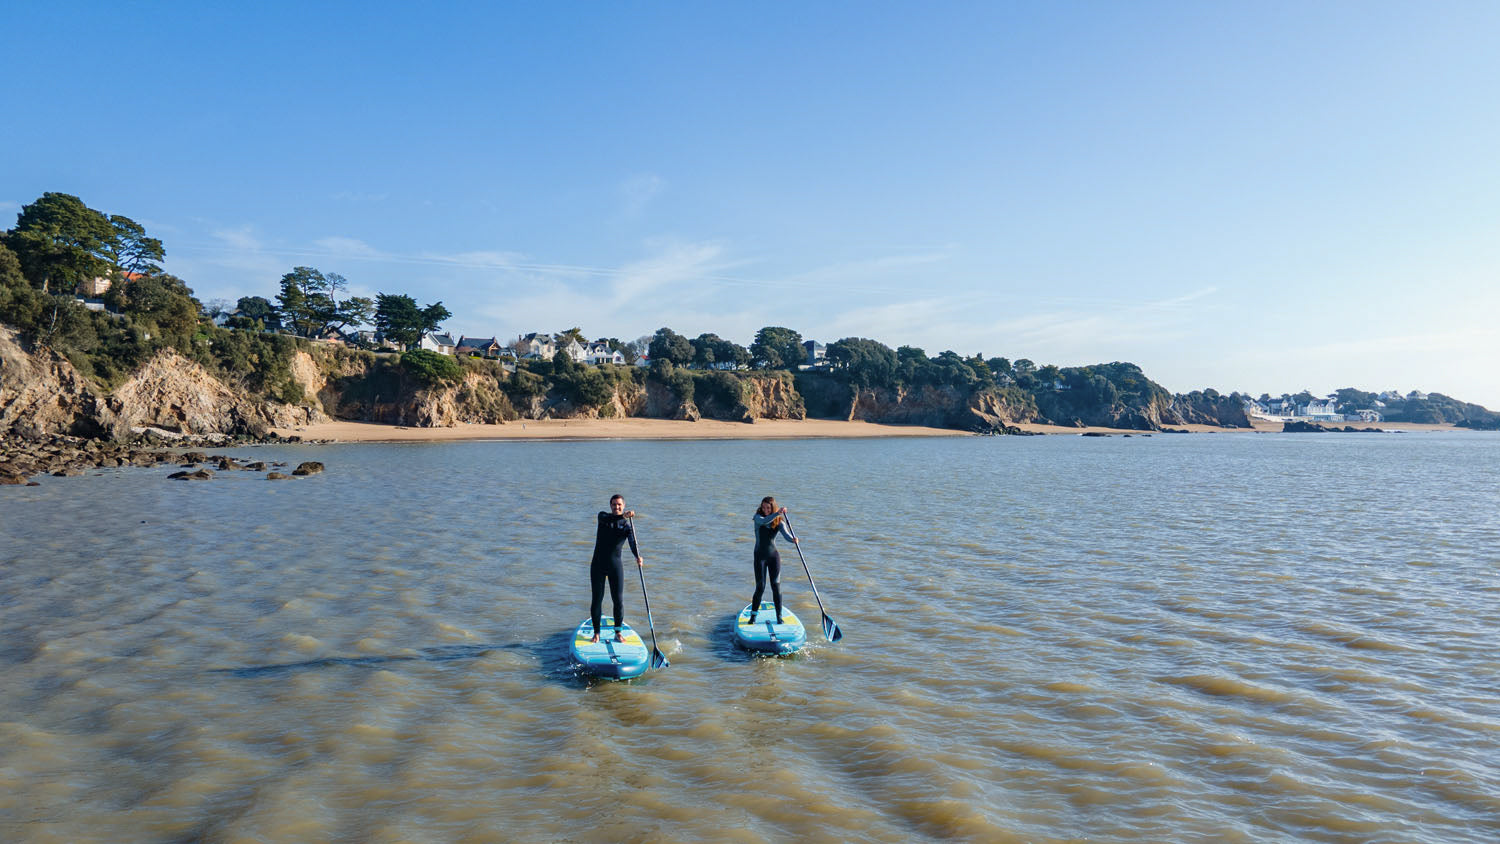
1354,639
1220,685
1068,688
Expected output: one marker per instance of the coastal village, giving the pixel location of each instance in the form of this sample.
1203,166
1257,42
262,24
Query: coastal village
1326,409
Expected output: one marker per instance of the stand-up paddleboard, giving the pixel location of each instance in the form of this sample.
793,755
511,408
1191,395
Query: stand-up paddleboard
606,657
765,635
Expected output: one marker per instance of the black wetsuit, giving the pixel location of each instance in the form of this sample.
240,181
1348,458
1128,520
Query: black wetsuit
613,533
768,560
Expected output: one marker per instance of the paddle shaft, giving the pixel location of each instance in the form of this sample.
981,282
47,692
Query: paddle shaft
657,659
827,621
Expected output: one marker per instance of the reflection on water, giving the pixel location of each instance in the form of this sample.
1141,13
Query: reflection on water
1205,638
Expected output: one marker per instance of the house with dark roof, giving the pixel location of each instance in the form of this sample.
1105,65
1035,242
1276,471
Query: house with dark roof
536,345
817,355
441,343
484,347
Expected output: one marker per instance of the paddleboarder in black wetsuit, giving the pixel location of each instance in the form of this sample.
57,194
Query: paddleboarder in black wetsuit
614,532
768,522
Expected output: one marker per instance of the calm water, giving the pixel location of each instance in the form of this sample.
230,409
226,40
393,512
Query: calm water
1178,638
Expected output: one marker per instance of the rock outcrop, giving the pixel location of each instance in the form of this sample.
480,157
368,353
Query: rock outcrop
172,393
41,394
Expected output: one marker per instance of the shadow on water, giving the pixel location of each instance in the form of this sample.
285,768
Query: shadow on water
441,653
551,654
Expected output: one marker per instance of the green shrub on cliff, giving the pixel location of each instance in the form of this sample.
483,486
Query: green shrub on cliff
430,367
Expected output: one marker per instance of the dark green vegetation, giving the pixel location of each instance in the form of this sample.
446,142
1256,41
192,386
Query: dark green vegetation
61,253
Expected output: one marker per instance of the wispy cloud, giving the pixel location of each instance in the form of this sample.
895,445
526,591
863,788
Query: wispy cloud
857,276
637,192
348,247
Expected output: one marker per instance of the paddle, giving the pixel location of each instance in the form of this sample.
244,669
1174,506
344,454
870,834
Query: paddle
658,659
831,630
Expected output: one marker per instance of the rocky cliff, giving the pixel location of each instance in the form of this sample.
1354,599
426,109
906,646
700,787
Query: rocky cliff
42,394
940,406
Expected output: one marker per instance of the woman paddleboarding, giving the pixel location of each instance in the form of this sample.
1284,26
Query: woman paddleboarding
614,531
769,521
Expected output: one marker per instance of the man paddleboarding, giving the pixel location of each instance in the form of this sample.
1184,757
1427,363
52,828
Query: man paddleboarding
614,531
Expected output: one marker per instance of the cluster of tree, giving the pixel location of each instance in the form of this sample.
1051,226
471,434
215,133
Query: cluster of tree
706,351
774,347
60,245
870,363
311,304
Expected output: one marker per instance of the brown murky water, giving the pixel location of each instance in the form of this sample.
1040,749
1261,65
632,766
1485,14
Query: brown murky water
1205,638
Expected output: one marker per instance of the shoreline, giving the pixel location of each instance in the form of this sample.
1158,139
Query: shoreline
614,429
637,428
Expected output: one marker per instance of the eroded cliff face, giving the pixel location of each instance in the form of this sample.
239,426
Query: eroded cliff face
42,394
936,407
773,397
1198,409
939,407
176,394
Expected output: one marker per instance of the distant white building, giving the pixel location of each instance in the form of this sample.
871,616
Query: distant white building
443,344
575,351
1322,410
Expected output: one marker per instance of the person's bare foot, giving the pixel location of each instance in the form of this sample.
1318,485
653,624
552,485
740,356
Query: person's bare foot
595,640
618,637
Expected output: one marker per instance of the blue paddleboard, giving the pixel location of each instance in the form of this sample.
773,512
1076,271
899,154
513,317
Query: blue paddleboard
765,635
608,658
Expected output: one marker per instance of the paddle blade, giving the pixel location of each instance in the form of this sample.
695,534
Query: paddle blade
831,631
658,659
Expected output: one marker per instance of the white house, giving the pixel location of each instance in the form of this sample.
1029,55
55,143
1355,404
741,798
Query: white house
600,352
536,345
1323,410
441,343
575,351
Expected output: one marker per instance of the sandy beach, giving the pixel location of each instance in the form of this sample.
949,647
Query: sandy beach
711,429
644,429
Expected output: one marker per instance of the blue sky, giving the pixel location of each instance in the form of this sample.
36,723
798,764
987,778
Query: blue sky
1256,196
